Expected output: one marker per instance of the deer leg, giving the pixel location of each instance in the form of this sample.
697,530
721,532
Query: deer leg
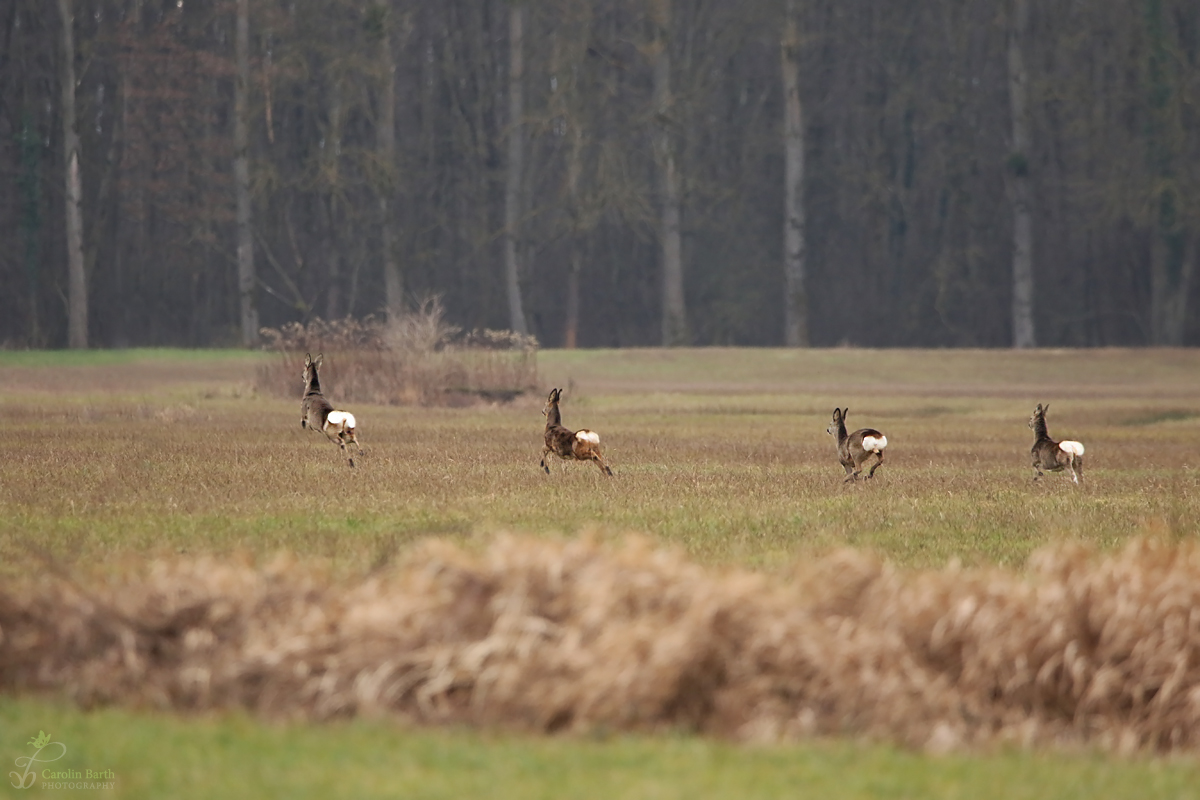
545,466
336,438
600,463
345,452
878,461
857,461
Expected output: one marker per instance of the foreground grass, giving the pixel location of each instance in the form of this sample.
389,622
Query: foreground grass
231,756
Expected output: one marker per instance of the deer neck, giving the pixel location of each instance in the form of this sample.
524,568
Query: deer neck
842,436
314,385
1039,428
553,418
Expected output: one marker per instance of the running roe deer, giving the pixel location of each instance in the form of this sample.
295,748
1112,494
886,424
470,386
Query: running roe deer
580,445
855,448
1050,455
317,413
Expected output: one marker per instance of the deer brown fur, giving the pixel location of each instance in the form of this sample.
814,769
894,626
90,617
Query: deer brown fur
580,445
1050,455
855,448
318,414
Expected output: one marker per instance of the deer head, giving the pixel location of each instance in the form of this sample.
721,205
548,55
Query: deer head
551,401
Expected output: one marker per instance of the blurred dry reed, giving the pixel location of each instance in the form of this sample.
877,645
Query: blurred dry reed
1081,649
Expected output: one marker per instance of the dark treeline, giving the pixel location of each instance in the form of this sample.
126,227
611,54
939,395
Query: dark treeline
603,172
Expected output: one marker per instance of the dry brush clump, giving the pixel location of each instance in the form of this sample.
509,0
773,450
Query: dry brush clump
417,359
1082,649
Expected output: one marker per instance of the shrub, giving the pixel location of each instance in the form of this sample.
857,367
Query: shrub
417,359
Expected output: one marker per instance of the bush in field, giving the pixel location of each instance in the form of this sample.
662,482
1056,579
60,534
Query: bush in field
418,359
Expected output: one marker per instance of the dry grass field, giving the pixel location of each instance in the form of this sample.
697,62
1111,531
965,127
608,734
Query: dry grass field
725,581
720,452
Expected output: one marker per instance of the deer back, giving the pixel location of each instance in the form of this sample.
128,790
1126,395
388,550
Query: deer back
314,408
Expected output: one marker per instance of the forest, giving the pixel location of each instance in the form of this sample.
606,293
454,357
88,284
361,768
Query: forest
603,173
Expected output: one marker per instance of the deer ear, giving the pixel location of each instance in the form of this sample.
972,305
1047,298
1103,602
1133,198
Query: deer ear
1045,408
317,361
307,359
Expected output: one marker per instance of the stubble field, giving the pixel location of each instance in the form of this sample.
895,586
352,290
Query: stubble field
110,459
723,453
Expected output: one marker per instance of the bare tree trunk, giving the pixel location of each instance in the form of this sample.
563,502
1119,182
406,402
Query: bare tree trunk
241,177
1172,264
795,317
30,147
385,137
574,168
333,250
1172,254
77,301
674,314
513,195
1018,186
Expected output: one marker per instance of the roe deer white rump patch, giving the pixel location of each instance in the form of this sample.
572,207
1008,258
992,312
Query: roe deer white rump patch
874,444
341,418
1075,448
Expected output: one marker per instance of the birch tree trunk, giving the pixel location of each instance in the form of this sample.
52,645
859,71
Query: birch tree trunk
77,301
674,313
513,195
1018,184
241,177
385,140
795,313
